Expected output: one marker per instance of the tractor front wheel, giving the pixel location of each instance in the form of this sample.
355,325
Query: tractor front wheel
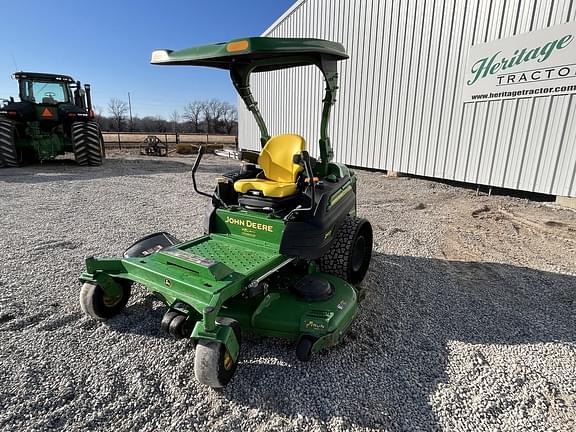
213,364
8,153
96,304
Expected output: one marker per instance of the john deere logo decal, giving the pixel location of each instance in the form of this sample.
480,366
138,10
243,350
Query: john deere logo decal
247,223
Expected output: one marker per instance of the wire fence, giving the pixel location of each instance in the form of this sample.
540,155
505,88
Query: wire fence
125,140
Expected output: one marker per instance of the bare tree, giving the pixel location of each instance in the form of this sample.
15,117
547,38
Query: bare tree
193,113
175,119
98,115
118,109
230,117
212,113
160,125
212,116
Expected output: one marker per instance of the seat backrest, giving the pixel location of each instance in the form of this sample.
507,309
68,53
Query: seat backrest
277,157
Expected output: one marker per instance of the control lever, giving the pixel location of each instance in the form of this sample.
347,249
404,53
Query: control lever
194,169
304,159
198,191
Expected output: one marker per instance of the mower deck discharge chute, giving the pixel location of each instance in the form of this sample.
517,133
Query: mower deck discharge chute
283,251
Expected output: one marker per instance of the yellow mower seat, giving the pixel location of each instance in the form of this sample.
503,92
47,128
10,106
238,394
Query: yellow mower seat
280,171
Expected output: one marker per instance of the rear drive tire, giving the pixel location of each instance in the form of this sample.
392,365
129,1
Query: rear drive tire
350,252
87,143
8,153
96,304
213,364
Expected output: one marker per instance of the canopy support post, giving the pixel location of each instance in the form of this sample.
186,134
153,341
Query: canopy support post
329,69
241,80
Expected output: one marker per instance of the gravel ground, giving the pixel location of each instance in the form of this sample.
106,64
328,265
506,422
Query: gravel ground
468,324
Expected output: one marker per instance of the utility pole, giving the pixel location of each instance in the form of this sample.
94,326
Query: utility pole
130,108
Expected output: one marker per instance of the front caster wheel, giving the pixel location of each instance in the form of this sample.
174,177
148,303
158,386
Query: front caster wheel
213,364
96,304
304,348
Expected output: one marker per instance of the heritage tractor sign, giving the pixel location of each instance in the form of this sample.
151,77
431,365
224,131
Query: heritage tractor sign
539,63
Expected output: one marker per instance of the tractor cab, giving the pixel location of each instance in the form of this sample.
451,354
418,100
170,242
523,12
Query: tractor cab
51,97
52,91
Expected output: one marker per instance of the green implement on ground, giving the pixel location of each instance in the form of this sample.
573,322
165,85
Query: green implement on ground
283,252
54,116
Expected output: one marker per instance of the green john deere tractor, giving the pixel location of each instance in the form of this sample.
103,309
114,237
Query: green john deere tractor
54,116
283,252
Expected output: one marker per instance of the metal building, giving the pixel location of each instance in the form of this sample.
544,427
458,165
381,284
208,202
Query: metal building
389,117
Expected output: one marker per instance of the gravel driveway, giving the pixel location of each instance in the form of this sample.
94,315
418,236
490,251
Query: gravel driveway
468,324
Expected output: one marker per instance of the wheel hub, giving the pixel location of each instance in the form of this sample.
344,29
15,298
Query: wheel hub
111,301
228,361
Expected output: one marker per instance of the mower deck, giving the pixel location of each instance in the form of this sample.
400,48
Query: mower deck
213,272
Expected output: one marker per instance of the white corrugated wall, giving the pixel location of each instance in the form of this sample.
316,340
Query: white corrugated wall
387,118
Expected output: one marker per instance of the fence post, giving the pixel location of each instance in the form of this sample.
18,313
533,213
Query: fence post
119,145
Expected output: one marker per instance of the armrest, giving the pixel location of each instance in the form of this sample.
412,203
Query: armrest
299,159
249,156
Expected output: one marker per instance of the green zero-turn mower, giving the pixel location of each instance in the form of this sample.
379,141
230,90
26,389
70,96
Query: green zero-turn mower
283,251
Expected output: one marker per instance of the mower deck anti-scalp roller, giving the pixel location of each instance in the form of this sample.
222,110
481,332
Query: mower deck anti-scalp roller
283,252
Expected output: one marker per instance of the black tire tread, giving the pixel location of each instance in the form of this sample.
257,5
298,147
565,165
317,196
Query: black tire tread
8,152
87,143
336,260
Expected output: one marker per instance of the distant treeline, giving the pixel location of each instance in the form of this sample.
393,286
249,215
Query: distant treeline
210,116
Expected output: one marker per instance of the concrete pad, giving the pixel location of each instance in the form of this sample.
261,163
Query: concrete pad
566,201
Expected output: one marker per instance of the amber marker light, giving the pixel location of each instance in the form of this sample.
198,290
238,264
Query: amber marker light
237,46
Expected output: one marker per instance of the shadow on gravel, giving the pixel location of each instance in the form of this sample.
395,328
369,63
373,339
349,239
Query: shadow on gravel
396,352
132,320
67,170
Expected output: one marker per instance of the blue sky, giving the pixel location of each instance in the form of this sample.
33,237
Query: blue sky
108,44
